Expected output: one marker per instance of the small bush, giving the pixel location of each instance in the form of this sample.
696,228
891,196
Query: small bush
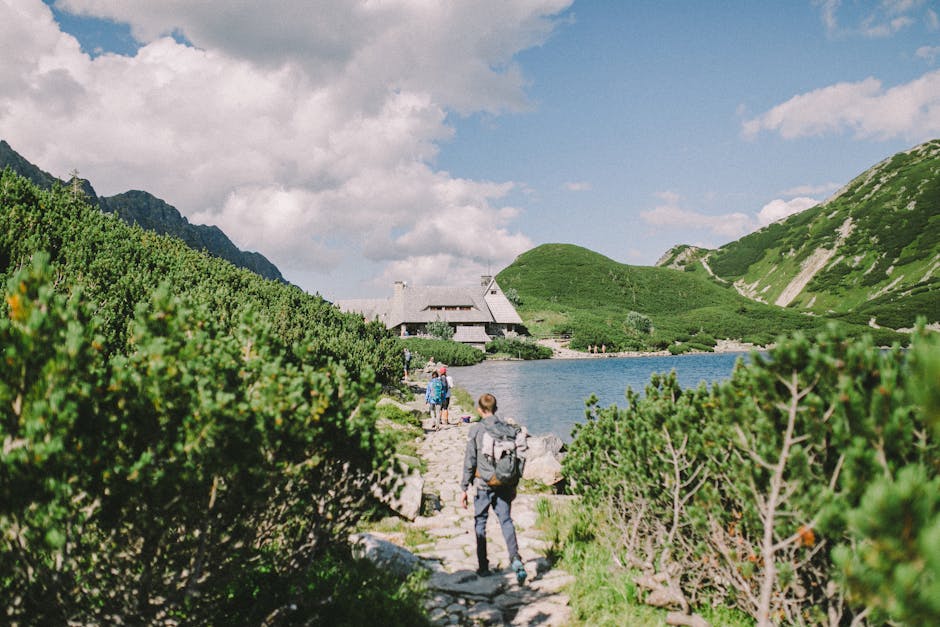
440,329
521,349
639,323
446,351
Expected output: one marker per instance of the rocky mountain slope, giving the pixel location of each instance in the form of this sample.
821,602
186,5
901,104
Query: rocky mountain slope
152,213
869,254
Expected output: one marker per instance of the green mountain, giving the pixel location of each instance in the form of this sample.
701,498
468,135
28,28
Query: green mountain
870,254
564,289
151,213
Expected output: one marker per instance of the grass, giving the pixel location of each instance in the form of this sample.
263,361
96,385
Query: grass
567,289
411,537
604,593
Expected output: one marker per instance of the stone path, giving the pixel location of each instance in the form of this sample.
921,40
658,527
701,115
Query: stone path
457,596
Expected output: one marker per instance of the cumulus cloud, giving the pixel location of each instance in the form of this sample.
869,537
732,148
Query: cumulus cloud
779,209
306,132
671,215
577,186
865,108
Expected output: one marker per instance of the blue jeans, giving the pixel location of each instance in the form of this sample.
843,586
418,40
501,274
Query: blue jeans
500,499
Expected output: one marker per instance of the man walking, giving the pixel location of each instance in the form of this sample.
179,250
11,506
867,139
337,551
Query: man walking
492,444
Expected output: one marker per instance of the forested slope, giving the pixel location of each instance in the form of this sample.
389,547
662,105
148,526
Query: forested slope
183,441
148,211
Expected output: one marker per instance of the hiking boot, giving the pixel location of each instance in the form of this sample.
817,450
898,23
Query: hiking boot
520,570
484,572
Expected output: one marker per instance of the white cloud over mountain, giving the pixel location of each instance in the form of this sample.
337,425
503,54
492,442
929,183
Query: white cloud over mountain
671,215
305,131
865,108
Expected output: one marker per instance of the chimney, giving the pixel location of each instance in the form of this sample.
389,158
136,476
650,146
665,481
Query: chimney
399,289
485,280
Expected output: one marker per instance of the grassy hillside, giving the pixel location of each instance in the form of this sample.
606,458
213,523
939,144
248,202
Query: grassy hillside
875,248
566,289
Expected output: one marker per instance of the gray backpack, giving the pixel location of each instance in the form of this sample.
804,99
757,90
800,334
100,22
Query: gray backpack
498,461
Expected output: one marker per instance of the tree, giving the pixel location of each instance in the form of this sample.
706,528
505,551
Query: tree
440,329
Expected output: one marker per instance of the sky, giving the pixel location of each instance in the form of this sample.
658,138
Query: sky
355,143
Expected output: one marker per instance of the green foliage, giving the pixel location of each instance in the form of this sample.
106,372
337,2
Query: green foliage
786,447
182,440
440,329
894,567
892,564
444,351
884,230
639,323
512,295
584,294
518,348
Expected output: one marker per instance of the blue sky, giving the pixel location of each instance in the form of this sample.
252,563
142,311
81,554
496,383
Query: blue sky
355,144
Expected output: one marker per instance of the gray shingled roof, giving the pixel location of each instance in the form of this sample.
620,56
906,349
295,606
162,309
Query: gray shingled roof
471,335
456,305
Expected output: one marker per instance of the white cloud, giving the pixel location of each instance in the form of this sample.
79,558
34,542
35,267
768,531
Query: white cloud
577,186
928,53
883,19
866,108
812,190
305,132
672,216
932,20
779,209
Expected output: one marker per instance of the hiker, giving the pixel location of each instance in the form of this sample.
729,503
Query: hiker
490,443
406,357
433,396
448,384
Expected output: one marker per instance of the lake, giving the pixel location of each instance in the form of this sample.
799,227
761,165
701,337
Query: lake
548,395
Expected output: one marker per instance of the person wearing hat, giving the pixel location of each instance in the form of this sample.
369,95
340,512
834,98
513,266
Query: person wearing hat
448,384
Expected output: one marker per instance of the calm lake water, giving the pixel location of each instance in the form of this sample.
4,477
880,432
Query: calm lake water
548,395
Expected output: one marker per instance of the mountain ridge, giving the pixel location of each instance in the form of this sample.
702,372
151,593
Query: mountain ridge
151,213
870,253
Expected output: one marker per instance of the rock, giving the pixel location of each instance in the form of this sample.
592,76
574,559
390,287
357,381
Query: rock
541,445
485,614
544,614
387,556
688,620
553,583
545,469
466,583
407,502
664,597
543,459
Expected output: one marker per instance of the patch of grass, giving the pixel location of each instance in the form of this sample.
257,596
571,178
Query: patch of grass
411,537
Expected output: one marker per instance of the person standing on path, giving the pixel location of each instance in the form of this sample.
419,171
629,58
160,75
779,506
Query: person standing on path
434,396
498,497
448,385
406,357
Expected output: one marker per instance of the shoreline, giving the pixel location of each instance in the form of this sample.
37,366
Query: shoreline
560,350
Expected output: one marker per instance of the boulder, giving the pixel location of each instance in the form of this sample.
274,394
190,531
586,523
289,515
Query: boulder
389,557
545,469
402,491
548,444
543,459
